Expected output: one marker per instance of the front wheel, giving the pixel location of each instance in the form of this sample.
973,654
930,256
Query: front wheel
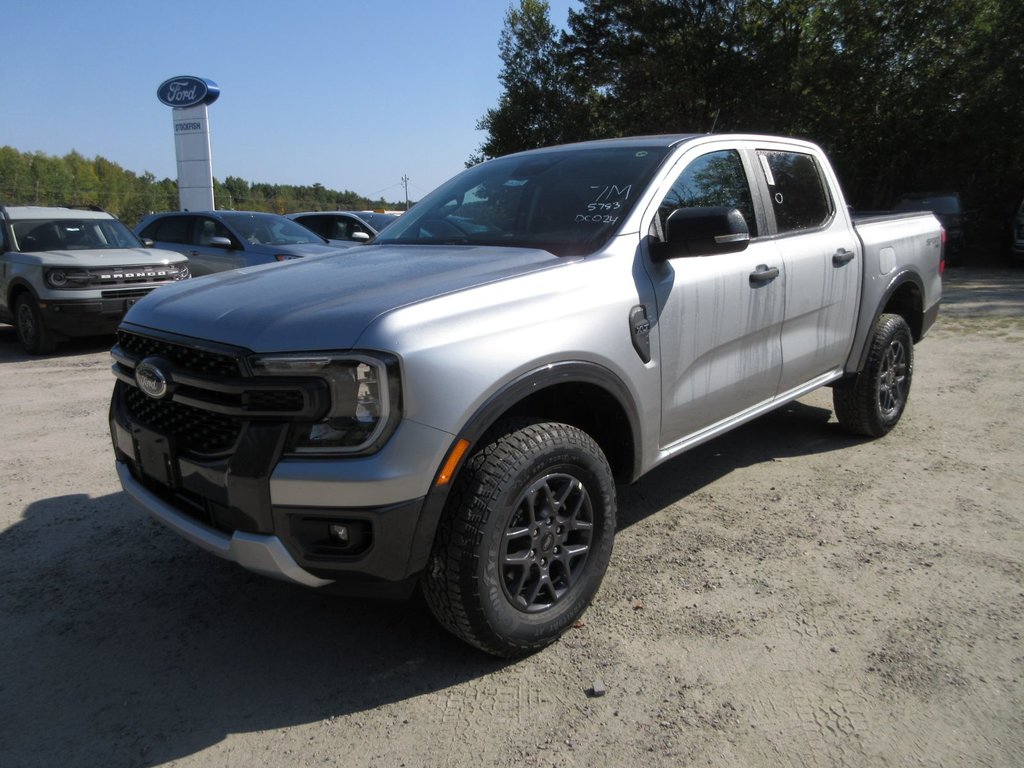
872,402
525,539
35,337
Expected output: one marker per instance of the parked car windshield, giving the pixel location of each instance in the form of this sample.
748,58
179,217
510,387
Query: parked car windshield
568,201
72,235
268,229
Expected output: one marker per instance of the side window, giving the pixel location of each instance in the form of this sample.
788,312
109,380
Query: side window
206,229
319,224
716,179
798,194
340,228
172,229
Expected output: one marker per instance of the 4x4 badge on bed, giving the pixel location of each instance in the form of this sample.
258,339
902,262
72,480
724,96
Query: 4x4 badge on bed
151,378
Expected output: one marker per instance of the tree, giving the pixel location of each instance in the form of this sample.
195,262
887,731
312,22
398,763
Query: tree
38,179
905,95
541,102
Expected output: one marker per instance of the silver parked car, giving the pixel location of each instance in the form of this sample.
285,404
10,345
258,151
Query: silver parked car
345,227
215,241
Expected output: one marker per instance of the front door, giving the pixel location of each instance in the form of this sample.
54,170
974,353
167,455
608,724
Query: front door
719,317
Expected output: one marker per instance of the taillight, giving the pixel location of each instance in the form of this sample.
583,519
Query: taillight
942,251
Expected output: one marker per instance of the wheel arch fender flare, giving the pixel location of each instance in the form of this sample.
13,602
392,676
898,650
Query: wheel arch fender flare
903,297
15,288
538,388
548,378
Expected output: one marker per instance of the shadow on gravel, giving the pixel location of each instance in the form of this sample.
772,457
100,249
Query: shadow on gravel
124,645
983,293
11,351
794,430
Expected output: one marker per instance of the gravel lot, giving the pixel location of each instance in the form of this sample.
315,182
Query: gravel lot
783,596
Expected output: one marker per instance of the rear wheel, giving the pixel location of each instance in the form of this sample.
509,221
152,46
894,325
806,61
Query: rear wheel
872,402
35,337
525,539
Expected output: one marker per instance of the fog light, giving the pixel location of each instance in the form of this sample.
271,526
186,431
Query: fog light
338,532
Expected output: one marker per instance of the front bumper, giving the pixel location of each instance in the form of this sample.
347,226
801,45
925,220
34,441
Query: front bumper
264,554
89,317
274,515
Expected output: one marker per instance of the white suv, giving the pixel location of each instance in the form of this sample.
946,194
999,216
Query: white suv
67,272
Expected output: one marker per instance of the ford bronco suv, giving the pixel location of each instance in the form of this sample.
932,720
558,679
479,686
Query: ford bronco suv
69,272
452,404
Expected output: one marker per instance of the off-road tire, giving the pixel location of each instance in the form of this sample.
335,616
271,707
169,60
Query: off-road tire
34,336
872,402
525,538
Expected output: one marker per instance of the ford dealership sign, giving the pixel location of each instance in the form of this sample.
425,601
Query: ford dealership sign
187,91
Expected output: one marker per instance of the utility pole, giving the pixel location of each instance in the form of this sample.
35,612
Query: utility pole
405,183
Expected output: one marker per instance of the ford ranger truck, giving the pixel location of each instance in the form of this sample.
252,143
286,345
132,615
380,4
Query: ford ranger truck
452,405
73,272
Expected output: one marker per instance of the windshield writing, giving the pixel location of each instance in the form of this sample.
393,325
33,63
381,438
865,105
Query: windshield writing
568,201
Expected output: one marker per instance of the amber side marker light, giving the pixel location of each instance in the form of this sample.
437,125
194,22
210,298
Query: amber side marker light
454,458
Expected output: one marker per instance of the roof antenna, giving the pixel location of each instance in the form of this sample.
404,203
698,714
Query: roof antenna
715,121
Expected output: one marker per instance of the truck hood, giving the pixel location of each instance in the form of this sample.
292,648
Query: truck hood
326,302
96,257
301,249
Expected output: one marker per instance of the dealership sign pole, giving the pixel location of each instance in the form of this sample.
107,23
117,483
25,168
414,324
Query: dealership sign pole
189,97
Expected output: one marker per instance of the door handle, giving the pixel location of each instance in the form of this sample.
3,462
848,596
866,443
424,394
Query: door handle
842,256
763,274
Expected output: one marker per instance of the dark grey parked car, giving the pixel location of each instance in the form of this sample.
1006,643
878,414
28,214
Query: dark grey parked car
948,210
345,227
1017,232
215,241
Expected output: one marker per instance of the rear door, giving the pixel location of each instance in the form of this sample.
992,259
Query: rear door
822,259
720,316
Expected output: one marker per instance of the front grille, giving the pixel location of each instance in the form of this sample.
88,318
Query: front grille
128,293
212,401
188,358
193,430
274,400
160,273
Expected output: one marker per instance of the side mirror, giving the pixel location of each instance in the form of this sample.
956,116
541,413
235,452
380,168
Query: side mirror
359,237
148,242
703,232
221,242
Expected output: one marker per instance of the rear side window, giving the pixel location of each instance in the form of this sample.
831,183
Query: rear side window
171,229
319,224
799,197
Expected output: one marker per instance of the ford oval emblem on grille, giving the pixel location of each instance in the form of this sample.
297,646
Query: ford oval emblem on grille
152,378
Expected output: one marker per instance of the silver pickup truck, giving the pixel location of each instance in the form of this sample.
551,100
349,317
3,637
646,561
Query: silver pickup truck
453,404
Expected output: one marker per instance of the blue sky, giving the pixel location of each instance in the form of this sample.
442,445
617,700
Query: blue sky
352,95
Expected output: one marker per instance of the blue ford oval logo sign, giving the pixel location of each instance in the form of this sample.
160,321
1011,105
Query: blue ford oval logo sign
152,379
187,91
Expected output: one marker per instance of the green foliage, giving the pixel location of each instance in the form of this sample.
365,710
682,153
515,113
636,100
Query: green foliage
39,179
906,95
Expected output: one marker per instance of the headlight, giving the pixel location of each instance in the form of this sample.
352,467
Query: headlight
365,400
67,278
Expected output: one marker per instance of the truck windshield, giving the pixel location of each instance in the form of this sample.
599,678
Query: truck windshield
568,201
73,235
